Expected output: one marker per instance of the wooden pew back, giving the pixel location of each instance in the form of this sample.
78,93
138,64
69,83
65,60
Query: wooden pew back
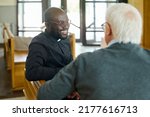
72,44
7,52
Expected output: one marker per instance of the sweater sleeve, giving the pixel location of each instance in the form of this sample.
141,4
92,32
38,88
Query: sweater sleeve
60,86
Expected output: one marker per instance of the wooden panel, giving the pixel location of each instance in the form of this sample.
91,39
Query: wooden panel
146,34
143,7
139,5
72,44
19,76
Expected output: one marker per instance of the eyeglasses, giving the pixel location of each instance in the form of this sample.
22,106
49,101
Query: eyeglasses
62,23
103,26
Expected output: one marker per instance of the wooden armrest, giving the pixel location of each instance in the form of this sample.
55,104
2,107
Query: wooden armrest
31,88
36,85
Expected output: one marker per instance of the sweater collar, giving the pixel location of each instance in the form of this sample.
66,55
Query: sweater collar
112,42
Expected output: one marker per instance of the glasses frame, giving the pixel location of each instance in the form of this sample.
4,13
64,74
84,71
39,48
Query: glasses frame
103,26
61,23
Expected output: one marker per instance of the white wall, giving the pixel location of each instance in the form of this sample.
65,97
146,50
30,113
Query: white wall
1,29
7,2
8,15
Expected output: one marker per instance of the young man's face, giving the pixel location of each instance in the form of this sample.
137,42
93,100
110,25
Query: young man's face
60,26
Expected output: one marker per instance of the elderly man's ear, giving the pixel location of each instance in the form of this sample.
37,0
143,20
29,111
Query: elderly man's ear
108,34
108,30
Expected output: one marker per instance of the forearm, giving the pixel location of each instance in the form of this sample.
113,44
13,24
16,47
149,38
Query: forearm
60,86
41,73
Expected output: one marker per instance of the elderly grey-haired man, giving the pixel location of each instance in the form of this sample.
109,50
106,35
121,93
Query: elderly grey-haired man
120,71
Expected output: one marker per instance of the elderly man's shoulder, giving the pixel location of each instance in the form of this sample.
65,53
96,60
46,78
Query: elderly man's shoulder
97,54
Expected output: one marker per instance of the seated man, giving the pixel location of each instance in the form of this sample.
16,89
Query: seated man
120,71
50,50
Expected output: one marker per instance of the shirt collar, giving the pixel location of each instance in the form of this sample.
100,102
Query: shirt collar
112,42
58,40
52,38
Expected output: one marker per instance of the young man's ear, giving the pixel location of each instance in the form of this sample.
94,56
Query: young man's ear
46,24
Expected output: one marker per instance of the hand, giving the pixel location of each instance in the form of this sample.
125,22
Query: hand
74,96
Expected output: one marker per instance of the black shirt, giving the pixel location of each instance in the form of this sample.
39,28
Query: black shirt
46,57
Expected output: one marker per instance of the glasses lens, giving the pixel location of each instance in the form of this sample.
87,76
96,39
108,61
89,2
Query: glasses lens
103,26
62,23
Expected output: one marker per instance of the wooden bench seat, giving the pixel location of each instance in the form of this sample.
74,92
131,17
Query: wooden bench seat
20,57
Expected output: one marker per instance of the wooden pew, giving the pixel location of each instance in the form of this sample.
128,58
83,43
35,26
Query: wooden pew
31,87
15,60
6,48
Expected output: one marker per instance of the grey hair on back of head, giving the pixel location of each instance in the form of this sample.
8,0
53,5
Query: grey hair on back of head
126,23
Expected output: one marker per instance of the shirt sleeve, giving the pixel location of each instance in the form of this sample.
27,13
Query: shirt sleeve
35,68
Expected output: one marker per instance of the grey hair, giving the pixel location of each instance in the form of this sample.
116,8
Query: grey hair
126,23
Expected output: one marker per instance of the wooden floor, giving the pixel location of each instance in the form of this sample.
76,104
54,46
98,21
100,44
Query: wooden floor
5,81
